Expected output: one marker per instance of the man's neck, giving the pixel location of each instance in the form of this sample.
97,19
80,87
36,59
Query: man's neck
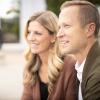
84,52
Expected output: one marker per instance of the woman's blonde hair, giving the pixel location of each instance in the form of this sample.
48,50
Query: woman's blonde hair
49,20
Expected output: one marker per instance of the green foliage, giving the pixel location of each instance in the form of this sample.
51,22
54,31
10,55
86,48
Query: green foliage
10,30
97,2
11,26
54,5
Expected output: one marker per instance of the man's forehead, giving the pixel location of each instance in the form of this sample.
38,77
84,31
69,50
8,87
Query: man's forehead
70,9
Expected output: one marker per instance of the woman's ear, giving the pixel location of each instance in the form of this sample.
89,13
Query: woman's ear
90,29
53,39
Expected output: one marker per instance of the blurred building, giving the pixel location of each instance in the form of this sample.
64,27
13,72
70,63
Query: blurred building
17,12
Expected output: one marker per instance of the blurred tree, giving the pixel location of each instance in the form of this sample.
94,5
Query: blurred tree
11,27
97,2
54,5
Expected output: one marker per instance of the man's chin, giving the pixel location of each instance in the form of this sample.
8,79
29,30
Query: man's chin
63,52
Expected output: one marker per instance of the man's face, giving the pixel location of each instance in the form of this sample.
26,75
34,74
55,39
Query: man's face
71,36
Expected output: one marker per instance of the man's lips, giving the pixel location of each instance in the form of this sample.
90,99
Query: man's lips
63,42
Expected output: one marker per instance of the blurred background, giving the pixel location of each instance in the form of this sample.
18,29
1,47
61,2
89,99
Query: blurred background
13,17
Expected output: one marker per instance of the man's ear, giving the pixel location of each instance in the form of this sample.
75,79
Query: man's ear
90,28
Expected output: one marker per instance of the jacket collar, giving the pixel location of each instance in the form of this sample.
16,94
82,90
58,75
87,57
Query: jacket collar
93,53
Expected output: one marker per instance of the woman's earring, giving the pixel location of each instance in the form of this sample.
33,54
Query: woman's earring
53,41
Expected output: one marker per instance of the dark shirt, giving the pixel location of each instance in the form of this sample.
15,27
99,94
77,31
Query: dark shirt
43,91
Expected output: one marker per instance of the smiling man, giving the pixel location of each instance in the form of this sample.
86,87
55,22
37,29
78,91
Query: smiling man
77,35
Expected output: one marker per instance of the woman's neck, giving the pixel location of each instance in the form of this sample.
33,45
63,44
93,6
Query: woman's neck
43,71
44,58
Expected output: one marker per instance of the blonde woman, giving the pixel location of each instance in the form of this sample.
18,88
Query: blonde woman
45,76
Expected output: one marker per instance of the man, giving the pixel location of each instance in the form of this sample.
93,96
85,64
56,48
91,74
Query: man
77,35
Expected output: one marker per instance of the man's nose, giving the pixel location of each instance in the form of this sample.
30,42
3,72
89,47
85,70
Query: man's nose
60,33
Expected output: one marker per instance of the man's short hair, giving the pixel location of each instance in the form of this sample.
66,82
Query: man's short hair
88,13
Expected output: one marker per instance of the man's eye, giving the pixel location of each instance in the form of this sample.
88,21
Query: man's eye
67,26
28,32
59,27
38,33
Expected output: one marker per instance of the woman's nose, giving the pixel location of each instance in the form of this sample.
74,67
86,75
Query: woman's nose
31,37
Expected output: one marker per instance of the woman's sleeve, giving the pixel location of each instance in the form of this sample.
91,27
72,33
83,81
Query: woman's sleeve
27,93
70,91
70,79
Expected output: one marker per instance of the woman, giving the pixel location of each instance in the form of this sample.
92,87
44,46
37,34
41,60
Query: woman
45,76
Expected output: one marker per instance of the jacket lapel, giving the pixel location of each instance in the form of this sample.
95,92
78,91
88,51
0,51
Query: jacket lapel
88,65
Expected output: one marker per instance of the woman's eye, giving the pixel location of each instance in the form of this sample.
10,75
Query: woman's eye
29,32
35,33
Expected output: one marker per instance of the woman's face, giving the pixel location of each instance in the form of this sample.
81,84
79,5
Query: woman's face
38,38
